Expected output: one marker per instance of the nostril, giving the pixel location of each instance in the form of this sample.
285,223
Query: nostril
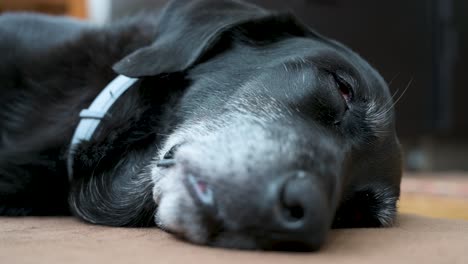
291,209
292,206
295,212
301,216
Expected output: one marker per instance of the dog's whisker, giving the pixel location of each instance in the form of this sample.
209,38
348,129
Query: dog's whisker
390,100
394,78
385,107
399,97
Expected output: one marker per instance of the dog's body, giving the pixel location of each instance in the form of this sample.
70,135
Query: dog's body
282,132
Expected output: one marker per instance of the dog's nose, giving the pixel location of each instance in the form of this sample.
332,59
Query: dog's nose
300,212
291,214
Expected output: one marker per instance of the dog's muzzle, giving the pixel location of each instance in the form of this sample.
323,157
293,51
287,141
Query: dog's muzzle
292,209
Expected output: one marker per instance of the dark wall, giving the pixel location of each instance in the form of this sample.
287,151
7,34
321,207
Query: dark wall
460,107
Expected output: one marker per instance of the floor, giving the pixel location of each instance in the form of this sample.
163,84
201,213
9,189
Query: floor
57,240
443,195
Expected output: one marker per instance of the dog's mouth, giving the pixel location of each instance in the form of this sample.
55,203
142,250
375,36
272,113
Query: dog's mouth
199,189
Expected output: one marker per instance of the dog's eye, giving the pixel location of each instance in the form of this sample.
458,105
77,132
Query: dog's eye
344,88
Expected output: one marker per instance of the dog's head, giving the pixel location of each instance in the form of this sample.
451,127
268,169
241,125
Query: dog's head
282,133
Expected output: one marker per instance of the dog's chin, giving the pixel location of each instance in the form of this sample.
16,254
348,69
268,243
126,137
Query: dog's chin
176,211
177,214
170,218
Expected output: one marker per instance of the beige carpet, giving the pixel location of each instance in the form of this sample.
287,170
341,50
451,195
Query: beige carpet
65,240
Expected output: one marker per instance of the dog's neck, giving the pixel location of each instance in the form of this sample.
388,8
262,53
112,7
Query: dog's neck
91,117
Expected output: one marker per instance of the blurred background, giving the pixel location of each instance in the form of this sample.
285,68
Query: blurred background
420,43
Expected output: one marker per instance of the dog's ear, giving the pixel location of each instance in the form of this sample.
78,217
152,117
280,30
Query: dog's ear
189,30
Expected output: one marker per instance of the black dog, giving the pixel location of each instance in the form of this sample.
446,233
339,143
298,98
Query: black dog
244,129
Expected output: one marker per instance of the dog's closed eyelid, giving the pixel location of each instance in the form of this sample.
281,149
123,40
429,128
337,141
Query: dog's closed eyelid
344,86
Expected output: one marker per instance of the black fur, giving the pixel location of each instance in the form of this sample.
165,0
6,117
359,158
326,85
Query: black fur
45,89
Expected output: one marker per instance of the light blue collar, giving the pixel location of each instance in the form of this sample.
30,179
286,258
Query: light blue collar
91,117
